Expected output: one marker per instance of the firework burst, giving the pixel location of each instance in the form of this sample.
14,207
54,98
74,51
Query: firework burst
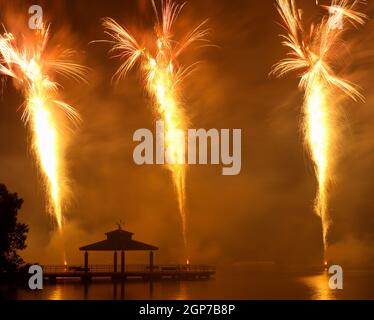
162,75
28,65
313,53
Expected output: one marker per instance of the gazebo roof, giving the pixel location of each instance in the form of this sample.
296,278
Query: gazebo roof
118,240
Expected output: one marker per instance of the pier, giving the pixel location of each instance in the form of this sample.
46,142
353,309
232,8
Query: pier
143,272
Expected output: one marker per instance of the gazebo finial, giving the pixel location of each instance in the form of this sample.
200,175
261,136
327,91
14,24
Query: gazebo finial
119,224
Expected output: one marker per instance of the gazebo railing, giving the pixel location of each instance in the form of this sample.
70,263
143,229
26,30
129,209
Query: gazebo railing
109,268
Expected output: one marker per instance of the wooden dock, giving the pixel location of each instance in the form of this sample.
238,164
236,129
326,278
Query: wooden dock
158,272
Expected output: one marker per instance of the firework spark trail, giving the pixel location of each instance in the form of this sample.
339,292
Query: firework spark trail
31,70
162,75
314,54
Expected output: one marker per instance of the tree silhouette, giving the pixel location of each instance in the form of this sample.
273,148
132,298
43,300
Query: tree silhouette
12,233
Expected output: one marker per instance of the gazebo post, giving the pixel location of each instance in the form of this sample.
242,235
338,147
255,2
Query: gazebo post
122,262
86,261
115,261
151,261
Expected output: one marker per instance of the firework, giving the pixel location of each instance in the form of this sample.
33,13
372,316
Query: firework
313,52
162,75
28,65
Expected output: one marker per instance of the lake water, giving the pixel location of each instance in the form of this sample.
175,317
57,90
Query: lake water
238,285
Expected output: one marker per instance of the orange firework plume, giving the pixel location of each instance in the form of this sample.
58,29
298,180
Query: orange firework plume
314,52
162,75
28,65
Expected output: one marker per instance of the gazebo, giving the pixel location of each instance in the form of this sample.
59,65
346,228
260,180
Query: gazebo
119,241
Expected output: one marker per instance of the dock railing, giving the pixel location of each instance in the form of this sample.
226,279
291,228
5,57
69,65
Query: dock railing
109,268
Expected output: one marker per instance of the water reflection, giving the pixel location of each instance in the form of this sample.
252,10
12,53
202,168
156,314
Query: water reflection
182,292
116,290
151,289
236,285
121,287
57,293
319,286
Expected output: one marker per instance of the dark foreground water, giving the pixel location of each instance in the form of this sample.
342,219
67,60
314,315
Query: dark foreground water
226,285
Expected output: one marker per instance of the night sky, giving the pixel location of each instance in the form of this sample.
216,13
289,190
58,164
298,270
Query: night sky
266,212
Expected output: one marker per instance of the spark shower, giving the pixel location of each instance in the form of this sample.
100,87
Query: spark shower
162,76
313,53
30,64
